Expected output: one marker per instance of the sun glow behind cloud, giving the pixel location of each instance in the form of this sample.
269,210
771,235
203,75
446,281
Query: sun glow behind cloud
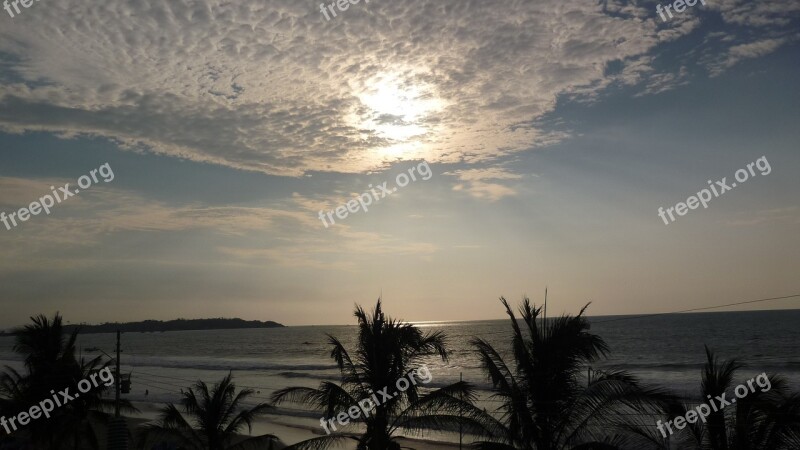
397,110
260,87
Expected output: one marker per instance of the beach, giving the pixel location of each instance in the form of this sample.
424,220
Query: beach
265,360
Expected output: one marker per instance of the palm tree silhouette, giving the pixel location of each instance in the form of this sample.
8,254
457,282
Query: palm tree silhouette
386,351
760,420
50,365
545,402
215,416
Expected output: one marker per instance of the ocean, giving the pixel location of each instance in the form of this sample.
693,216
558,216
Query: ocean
667,350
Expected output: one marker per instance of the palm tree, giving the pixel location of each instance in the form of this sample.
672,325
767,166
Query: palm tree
80,419
386,351
48,355
50,365
43,344
545,403
760,419
215,416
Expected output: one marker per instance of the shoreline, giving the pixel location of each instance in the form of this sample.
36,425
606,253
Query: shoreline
288,432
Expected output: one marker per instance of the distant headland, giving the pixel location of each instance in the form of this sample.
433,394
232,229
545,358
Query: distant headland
150,326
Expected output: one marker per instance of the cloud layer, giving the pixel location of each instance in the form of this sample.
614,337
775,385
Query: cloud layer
271,86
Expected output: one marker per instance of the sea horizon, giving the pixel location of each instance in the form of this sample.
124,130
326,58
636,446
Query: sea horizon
268,359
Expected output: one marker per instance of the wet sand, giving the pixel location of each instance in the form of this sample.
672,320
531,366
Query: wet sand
289,432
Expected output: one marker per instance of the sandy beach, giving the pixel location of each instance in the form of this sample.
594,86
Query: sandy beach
287,430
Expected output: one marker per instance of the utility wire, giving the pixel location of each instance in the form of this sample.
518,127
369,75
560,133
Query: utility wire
699,309
489,400
260,388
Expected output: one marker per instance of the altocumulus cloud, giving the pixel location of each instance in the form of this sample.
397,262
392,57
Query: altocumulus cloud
268,86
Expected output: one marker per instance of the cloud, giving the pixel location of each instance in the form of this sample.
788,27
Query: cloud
737,53
103,218
270,86
480,183
770,19
765,13
19,192
663,82
789,214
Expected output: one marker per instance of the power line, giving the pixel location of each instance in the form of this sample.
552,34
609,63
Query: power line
164,376
701,309
154,387
489,400
195,381
174,387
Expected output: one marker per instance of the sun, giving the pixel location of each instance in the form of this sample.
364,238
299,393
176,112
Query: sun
396,110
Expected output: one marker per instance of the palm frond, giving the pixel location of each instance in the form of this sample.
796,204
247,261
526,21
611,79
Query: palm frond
265,441
328,398
246,417
321,443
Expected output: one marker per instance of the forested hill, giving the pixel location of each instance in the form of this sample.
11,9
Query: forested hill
172,325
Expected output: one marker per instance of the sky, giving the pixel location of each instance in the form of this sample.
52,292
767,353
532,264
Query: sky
554,130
